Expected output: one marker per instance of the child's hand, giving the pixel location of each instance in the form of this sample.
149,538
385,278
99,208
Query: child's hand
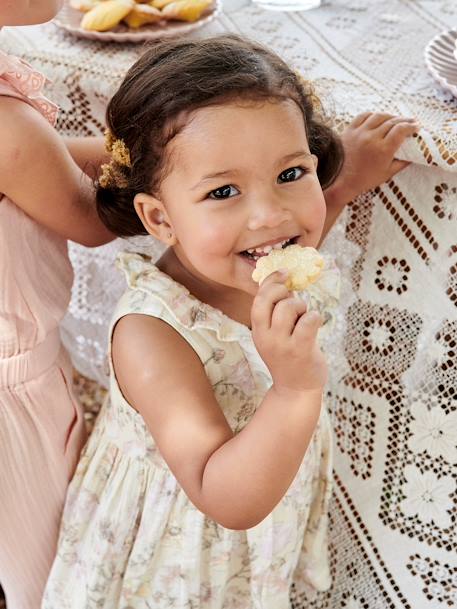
285,337
370,143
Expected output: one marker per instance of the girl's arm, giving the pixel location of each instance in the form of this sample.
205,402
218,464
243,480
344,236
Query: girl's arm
38,174
27,12
236,480
88,153
370,143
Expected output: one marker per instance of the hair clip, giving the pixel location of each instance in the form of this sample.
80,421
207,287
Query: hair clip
118,149
111,173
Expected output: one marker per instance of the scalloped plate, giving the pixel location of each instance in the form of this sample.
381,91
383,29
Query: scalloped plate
69,19
440,60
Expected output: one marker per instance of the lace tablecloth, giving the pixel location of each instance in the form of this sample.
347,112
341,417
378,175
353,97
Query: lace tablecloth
393,387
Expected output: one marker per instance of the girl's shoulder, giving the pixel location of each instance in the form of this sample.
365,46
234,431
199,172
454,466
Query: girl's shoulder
160,333
20,83
153,292
22,128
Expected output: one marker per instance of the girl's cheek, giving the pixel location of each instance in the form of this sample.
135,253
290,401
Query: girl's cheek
219,237
319,211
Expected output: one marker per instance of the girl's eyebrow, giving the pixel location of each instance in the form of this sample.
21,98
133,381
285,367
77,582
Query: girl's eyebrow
211,176
231,172
295,155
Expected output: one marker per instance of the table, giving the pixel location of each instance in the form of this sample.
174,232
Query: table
393,386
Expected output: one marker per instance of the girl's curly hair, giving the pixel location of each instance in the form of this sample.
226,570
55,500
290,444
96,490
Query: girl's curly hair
172,79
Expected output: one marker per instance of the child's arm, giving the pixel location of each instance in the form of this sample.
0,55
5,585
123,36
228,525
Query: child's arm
88,153
39,175
27,12
370,143
236,480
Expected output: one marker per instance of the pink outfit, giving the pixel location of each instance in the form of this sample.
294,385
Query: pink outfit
41,423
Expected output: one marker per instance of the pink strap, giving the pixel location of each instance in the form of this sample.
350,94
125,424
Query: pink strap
19,79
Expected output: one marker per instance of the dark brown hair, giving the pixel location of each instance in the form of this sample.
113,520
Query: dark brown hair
176,77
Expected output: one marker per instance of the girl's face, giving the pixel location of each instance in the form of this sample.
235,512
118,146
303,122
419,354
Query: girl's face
242,181
28,12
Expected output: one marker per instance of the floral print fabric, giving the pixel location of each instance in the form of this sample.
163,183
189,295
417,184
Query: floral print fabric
130,537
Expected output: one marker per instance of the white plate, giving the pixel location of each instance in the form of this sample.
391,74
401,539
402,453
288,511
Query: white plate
69,19
440,60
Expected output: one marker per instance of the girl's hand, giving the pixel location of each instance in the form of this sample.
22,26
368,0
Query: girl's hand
285,335
370,143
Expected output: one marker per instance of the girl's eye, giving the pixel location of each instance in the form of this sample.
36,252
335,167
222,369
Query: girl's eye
224,192
290,175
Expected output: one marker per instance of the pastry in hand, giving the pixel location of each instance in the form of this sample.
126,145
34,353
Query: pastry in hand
186,10
305,265
141,14
106,15
312,277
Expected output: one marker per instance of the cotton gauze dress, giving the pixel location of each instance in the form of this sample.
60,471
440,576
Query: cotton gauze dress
131,539
41,425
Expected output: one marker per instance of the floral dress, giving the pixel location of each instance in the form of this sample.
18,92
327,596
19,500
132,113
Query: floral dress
131,538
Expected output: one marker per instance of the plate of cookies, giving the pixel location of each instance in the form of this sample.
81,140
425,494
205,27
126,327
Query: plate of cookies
134,21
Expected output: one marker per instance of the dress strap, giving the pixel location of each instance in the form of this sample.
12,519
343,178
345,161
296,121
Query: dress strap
18,79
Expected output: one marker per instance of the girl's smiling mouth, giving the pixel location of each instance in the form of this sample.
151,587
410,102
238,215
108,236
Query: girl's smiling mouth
252,254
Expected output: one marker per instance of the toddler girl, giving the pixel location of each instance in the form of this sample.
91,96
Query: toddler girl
207,478
45,200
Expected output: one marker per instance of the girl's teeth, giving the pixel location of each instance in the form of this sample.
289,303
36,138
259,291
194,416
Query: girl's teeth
258,251
266,249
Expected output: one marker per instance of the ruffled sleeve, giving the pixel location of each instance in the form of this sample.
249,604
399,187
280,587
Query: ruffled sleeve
189,312
19,79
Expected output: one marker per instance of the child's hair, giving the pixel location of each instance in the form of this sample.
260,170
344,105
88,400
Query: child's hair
174,78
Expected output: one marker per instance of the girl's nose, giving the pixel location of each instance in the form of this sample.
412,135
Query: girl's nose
267,214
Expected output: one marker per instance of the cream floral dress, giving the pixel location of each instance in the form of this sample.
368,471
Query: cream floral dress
130,537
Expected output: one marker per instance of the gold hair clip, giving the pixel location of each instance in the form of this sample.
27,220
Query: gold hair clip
109,140
111,173
119,151
300,77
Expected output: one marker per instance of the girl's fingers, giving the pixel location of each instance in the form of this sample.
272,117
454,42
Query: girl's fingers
285,315
385,127
398,133
376,119
272,290
360,119
307,326
380,120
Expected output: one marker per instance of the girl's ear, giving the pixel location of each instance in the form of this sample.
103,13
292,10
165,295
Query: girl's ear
154,218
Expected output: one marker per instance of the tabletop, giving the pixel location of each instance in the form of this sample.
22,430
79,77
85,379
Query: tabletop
393,387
